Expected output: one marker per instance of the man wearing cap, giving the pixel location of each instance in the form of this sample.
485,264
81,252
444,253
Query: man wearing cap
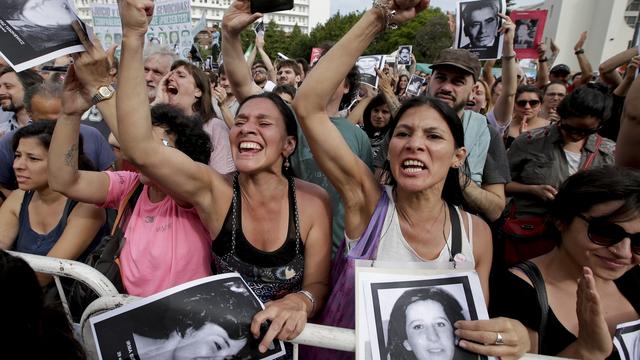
455,71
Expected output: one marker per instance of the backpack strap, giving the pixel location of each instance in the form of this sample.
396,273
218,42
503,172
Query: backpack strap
456,232
533,273
587,163
128,202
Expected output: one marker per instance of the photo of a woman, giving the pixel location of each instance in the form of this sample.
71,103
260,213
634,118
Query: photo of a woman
421,326
209,320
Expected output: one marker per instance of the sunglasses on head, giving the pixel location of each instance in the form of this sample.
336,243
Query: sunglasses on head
578,130
607,234
532,103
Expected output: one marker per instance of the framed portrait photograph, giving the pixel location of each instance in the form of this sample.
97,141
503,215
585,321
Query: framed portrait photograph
627,340
411,316
208,318
367,65
33,32
529,31
477,27
415,84
404,55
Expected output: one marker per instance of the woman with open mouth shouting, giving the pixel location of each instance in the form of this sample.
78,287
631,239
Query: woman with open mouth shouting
273,229
187,87
417,217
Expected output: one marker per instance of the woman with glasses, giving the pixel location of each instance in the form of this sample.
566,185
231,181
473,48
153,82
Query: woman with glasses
543,158
590,278
525,113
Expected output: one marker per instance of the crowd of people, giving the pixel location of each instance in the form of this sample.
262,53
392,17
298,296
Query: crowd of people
285,173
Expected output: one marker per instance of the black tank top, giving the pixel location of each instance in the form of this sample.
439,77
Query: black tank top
271,275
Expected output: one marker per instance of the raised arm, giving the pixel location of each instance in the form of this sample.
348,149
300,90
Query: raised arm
629,138
542,75
503,108
356,115
583,61
64,176
184,179
385,88
271,70
608,68
90,70
237,17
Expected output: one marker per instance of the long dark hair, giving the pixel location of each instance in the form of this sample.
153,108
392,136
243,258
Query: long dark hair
29,328
366,117
452,191
203,105
289,117
43,131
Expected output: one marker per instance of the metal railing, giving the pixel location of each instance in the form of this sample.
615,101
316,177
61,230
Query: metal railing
312,335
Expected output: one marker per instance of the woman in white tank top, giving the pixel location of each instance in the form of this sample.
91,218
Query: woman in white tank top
425,159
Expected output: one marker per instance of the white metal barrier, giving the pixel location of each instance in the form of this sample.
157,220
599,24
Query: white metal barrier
312,335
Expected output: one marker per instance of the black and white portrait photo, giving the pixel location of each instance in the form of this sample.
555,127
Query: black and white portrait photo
404,55
414,319
36,31
415,83
478,24
627,340
367,66
204,319
525,34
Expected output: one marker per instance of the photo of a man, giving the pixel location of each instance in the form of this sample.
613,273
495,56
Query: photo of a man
404,55
478,24
415,84
367,66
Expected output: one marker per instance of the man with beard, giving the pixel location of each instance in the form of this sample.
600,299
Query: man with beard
261,77
12,86
288,73
455,72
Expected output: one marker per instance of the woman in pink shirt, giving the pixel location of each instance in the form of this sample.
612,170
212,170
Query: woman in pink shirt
166,243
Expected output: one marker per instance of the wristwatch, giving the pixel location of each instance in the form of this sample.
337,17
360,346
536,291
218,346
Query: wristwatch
104,92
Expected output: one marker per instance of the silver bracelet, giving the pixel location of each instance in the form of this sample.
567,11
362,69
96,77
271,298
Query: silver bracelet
309,296
387,14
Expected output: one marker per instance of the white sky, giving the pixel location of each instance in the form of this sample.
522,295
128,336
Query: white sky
346,6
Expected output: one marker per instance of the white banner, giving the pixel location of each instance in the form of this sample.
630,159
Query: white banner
171,25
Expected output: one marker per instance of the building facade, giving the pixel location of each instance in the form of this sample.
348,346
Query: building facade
305,13
610,25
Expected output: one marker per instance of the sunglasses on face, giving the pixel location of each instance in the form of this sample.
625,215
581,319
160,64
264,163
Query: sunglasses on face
532,103
607,234
578,131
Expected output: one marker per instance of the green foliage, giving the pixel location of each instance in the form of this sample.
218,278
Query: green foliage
428,33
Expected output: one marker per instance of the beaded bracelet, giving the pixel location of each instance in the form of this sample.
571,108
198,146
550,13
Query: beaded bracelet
387,14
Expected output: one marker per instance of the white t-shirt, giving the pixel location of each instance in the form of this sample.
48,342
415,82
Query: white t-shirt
574,161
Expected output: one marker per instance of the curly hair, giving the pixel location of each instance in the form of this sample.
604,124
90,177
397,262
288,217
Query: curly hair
191,139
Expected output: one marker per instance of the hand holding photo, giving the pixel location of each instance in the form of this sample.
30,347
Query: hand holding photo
529,30
206,318
414,319
477,27
415,84
33,32
367,66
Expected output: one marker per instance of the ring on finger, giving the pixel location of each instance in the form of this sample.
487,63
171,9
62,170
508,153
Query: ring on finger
499,339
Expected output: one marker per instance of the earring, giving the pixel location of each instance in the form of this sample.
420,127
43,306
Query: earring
286,163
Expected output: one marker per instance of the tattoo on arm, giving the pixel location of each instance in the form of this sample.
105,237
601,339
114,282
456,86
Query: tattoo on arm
71,157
